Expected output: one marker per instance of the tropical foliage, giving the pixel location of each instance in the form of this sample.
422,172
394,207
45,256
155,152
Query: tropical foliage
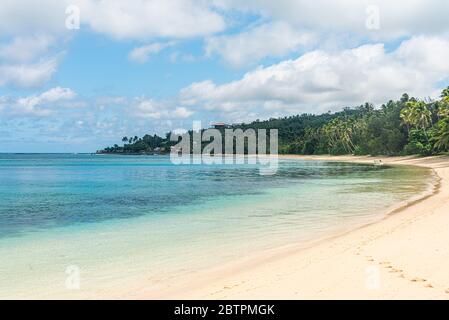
406,126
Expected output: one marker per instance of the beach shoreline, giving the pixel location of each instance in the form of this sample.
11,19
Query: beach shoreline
400,256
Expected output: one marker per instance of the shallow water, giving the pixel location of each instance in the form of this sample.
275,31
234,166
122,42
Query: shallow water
119,219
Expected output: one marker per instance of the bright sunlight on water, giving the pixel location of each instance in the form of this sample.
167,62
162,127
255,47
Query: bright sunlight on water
98,213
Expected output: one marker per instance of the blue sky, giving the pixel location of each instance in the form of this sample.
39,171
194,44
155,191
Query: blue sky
151,66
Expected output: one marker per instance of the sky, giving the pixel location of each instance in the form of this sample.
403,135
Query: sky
78,75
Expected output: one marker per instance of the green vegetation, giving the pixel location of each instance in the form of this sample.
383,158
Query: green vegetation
404,127
136,145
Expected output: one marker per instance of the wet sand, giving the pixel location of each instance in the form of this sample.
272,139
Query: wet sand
404,256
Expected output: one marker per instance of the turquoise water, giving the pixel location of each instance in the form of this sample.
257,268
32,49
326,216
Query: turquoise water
126,219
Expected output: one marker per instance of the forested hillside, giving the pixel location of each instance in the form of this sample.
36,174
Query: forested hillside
402,127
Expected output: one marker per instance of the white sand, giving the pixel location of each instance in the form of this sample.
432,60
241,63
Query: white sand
403,256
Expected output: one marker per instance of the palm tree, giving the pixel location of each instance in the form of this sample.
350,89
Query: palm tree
405,97
417,114
340,131
442,137
407,117
443,105
125,139
443,108
346,133
329,130
421,115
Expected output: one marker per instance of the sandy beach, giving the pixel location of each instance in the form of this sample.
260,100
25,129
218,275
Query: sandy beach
404,256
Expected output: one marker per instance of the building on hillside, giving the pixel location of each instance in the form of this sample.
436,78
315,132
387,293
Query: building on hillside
220,125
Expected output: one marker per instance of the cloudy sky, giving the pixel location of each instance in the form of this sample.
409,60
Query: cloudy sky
149,66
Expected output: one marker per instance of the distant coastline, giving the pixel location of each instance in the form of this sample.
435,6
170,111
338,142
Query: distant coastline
408,126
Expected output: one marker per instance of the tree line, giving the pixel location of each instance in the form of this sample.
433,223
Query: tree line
407,126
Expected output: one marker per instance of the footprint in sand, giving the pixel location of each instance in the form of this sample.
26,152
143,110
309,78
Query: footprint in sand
395,271
418,280
227,287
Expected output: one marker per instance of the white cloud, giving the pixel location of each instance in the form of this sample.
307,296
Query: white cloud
318,81
426,54
38,105
152,109
27,74
144,19
248,47
23,49
397,18
132,19
148,109
56,94
28,61
18,17
35,27
182,113
142,54
105,101
33,33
